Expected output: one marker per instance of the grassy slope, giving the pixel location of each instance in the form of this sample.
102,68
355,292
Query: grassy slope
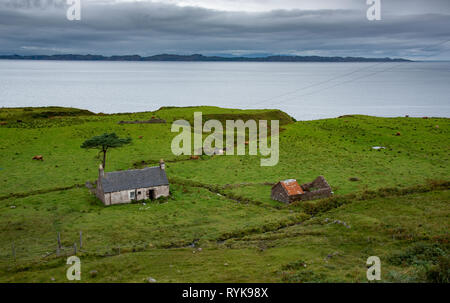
336,148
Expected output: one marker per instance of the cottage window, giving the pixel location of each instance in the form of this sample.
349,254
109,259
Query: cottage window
132,195
139,192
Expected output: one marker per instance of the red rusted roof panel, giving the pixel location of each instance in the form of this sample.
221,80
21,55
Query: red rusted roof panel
292,187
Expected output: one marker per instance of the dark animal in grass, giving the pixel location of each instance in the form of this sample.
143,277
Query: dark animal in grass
398,134
40,158
354,179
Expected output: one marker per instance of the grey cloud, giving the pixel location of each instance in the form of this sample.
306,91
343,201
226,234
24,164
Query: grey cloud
151,28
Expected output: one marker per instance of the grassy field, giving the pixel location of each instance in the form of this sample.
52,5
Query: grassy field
219,224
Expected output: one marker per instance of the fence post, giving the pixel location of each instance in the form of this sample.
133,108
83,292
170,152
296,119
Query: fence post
81,239
57,251
58,236
74,248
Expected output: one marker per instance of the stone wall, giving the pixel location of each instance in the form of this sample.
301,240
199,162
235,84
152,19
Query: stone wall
317,189
279,194
123,197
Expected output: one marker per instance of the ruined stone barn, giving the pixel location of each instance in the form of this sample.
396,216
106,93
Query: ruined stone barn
121,187
289,191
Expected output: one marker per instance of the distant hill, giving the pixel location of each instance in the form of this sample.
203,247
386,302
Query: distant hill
199,58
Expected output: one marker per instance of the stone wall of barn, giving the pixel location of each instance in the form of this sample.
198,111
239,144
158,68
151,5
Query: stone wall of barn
119,197
323,189
123,197
279,194
317,194
162,191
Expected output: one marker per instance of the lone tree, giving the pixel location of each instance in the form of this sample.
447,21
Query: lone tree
105,142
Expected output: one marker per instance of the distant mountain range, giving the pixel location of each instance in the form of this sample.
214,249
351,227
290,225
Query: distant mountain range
199,58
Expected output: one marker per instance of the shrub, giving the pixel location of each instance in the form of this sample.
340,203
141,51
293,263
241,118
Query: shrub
439,273
420,254
294,265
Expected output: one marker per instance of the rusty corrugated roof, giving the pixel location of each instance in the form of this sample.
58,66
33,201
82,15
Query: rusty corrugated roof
292,187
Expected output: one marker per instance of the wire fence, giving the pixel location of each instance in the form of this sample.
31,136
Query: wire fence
18,253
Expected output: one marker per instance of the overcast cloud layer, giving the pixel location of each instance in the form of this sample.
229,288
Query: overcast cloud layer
412,29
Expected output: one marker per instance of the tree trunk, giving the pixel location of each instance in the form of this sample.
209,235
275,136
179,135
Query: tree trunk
104,159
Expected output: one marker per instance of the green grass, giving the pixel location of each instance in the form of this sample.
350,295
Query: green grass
223,204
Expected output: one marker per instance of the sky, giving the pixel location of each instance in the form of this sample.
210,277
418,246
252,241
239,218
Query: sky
413,29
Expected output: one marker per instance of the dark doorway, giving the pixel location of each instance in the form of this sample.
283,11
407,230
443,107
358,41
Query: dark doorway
151,194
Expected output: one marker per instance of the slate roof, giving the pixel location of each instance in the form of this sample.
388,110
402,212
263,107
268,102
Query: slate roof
134,179
292,187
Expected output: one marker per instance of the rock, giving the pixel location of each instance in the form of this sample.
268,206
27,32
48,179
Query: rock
354,179
150,280
52,278
13,206
332,255
93,273
225,264
199,249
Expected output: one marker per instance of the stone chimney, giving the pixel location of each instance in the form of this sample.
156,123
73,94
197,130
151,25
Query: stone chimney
162,165
101,172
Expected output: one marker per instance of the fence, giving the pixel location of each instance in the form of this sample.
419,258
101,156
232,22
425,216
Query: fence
20,254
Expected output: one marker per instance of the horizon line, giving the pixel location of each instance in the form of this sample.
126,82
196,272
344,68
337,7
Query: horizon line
201,57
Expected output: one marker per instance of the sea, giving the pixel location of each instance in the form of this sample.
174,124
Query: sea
306,91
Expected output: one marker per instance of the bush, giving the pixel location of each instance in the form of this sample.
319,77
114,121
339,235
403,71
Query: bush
439,273
420,254
294,265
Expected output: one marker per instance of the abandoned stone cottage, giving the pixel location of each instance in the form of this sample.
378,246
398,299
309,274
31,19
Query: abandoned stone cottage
289,191
132,185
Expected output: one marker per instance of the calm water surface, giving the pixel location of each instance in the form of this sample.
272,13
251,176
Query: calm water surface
304,90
